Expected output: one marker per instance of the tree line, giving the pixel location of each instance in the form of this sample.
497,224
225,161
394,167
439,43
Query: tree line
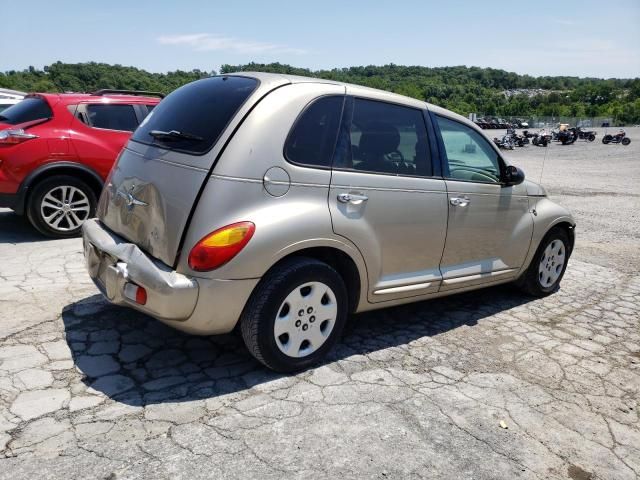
461,89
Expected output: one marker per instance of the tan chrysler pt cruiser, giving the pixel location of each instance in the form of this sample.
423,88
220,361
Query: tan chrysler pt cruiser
286,203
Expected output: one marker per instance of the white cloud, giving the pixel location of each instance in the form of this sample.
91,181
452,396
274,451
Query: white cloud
204,42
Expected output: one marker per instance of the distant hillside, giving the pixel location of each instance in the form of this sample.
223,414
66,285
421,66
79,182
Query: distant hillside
462,89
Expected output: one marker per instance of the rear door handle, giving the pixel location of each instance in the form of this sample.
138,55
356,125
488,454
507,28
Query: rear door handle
353,198
459,201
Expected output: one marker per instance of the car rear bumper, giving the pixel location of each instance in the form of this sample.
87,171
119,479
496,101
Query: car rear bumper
196,305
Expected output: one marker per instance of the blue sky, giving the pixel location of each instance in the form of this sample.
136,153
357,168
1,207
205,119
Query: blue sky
586,38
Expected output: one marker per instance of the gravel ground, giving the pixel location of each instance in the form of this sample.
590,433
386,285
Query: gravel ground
480,385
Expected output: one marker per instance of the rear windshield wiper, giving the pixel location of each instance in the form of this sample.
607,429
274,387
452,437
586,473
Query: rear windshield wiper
174,135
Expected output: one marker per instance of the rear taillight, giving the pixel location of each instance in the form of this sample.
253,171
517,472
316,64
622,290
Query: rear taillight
15,136
220,246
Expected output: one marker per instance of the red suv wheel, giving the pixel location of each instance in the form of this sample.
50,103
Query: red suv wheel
58,206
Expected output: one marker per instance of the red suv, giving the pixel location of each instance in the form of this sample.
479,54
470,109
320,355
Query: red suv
57,149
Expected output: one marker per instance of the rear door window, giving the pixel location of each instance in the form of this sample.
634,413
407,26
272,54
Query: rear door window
112,117
199,110
29,109
388,138
313,137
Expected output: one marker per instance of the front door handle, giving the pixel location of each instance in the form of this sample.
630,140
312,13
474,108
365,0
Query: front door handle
459,201
353,198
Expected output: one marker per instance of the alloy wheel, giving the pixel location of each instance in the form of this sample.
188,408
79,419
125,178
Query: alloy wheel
65,208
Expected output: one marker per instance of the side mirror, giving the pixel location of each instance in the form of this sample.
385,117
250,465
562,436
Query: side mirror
513,176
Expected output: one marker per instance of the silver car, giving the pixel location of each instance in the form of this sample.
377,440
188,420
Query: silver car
286,203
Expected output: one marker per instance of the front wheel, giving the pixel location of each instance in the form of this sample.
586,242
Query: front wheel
295,315
591,138
548,265
626,141
606,139
58,206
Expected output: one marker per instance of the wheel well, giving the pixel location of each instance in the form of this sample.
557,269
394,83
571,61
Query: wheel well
342,263
84,175
569,230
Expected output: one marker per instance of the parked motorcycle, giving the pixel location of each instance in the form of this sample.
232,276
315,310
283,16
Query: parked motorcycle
588,135
556,132
518,140
506,142
620,137
542,138
568,136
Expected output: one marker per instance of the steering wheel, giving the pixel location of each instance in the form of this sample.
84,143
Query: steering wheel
395,156
470,174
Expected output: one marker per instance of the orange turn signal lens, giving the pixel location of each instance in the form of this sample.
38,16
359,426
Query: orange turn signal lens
220,246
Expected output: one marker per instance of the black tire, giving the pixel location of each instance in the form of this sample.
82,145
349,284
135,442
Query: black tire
606,139
626,141
259,314
529,282
591,137
67,227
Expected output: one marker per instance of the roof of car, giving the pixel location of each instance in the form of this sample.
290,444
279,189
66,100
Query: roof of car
357,90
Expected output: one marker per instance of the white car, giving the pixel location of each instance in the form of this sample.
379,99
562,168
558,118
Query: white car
9,97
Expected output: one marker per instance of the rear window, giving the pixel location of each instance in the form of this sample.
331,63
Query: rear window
201,110
29,109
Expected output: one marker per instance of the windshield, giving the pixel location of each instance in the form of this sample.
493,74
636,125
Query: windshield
192,117
27,110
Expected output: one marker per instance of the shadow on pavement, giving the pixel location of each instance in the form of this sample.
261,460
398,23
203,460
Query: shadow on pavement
136,360
17,229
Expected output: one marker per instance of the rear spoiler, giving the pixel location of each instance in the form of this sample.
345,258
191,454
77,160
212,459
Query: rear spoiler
25,125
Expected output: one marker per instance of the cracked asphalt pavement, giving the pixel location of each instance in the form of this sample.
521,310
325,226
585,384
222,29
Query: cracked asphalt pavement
489,384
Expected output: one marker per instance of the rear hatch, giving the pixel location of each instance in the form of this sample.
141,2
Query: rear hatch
151,191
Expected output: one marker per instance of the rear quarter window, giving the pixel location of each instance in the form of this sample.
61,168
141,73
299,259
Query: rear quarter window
112,117
313,137
199,109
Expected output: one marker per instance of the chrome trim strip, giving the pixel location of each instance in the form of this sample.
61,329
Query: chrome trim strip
405,288
478,276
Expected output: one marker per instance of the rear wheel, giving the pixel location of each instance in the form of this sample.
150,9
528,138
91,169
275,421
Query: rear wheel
548,265
295,315
58,206
606,139
591,138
